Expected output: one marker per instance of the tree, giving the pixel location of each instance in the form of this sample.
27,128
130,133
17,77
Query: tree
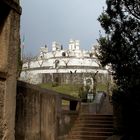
121,45
41,59
28,58
121,49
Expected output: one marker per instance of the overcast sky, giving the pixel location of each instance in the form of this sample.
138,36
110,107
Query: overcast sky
45,21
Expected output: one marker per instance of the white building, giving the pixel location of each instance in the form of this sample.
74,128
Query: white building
64,65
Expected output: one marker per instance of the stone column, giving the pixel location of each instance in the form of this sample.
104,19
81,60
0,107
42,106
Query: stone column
9,49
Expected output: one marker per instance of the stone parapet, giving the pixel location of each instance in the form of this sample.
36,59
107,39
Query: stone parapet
40,115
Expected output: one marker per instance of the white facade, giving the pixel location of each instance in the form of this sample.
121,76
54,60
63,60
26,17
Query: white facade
61,60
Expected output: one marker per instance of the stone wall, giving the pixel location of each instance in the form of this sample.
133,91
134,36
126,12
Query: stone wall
68,75
9,45
66,122
36,117
75,78
39,113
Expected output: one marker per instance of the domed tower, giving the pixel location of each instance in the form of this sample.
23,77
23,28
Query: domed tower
74,45
71,45
77,44
56,46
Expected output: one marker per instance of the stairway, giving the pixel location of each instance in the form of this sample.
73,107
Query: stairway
92,127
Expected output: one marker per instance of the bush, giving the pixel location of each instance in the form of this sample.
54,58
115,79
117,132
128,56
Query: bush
127,110
55,84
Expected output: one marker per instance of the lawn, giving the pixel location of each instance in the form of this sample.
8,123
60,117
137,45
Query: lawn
69,89
102,87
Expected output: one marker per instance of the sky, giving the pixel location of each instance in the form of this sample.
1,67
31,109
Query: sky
45,21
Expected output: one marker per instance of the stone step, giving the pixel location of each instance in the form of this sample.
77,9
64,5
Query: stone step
97,125
94,121
91,133
83,137
96,115
94,118
92,129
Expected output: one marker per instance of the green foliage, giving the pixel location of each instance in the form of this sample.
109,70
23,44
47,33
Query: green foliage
74,90
55,84
121,45
121,48
101,87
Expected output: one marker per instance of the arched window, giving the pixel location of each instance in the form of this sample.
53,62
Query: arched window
56,63
63,54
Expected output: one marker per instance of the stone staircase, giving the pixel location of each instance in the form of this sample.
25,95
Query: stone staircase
92,127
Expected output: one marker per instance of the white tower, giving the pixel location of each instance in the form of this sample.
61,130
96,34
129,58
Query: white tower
71,44
77,44
56,46
74,45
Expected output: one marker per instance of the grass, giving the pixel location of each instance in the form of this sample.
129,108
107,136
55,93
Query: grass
102,87
69,89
